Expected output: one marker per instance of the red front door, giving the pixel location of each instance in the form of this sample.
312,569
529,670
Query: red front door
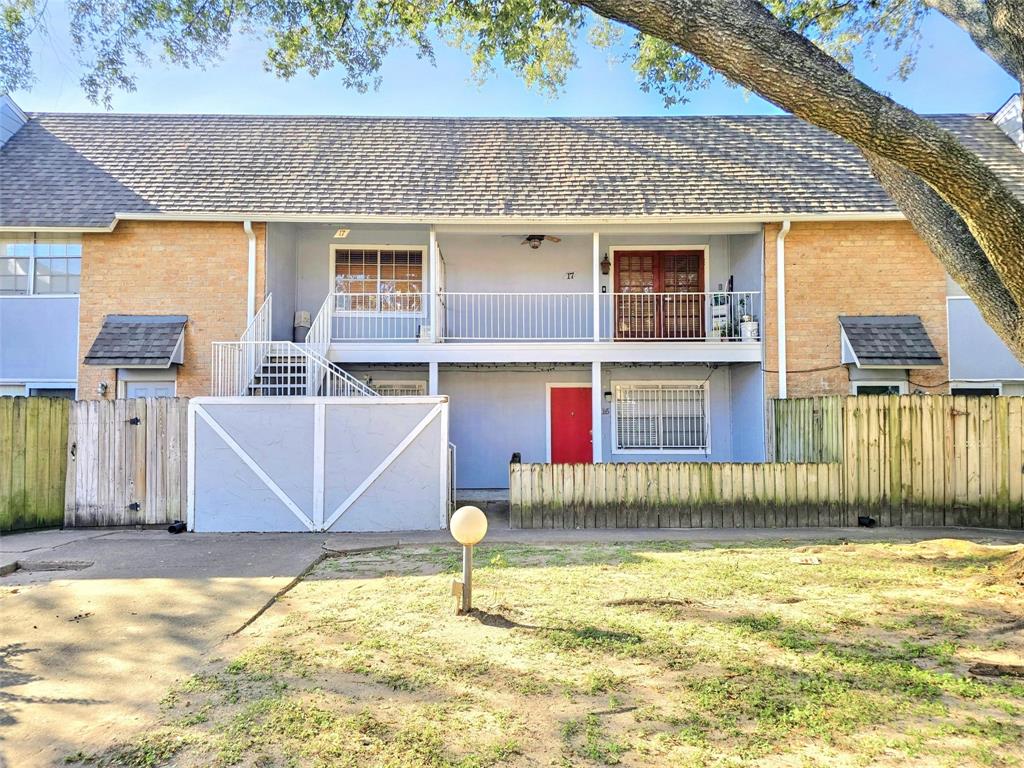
570,426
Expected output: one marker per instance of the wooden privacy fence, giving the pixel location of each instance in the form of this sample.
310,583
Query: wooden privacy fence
806,429
33,440
903,460
127,462
935,459
676,495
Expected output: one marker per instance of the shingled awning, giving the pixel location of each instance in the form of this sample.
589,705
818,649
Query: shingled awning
887,341
152,341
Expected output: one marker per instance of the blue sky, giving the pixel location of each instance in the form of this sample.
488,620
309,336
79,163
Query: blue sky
952,76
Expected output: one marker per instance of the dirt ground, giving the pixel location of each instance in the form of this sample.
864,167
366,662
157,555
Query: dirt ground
675,653
97,625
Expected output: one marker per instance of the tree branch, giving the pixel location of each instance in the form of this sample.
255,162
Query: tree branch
747,44
945,234
972,17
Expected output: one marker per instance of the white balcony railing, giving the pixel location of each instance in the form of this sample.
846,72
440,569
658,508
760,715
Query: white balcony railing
710,316
517,316
380,316
551,317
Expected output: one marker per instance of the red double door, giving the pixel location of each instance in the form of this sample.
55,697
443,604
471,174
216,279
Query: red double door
571,425
659,294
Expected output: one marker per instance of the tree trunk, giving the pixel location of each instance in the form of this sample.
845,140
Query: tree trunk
949,239
743,41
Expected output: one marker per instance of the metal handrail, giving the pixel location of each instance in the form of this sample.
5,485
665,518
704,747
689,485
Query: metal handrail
319,378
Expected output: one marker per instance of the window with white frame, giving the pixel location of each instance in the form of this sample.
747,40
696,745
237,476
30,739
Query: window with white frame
880,388
976,389
399,388
40,266
666,416
379,279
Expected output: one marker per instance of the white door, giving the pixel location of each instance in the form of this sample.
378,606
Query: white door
149,389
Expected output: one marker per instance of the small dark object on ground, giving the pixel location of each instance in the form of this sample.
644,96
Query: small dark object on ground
997,670
656,602
178,526
866,522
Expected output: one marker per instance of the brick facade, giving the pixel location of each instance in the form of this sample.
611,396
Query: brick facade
199,269
848,268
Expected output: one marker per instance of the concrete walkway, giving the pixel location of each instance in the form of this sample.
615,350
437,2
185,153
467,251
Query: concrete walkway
97,624
87,654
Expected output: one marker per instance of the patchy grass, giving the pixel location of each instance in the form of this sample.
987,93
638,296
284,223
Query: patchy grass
660,655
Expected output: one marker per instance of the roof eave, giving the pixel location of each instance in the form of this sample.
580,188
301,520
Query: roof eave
426,220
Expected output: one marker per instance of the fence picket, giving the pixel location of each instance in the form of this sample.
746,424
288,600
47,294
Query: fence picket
33,462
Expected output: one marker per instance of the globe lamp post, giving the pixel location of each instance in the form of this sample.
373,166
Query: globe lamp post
468,526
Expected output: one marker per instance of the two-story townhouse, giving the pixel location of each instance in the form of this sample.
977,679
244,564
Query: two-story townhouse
604,289
39,276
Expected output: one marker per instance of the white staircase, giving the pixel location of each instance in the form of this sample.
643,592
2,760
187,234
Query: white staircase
255,365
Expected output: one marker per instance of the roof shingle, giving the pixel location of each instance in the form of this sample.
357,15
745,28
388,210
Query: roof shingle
890,340
81,169
129,340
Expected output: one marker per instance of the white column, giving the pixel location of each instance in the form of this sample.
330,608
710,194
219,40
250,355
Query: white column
434,270
431,378
597,287
596,399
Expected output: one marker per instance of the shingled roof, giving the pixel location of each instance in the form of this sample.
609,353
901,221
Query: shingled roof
80,169
138,340
889,341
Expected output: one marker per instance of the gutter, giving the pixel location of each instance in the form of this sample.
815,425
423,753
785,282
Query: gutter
780,301
428,219
250,301
584,224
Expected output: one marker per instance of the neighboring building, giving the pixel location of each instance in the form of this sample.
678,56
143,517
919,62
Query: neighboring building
39,286
599,289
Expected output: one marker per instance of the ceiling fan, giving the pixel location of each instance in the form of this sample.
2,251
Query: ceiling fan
534,241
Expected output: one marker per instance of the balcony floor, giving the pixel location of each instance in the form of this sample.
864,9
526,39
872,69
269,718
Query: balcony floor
547,352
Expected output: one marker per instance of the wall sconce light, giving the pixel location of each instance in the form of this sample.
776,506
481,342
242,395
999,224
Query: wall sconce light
608,397
101,389
606,265
341,233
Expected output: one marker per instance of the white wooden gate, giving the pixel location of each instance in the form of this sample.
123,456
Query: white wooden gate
318,464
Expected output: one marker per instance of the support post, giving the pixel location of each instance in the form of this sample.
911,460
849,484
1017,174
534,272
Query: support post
467,580
596,398
597,287
432,276
431,378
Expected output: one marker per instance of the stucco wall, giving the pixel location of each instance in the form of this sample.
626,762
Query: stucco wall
281,276
747,409
848,268
199,269
497,411
314,268
39,339
975,352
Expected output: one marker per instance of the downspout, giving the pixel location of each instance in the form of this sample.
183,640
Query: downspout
250,302
780,301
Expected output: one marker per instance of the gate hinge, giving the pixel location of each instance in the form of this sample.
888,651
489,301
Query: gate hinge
134,506
135,421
